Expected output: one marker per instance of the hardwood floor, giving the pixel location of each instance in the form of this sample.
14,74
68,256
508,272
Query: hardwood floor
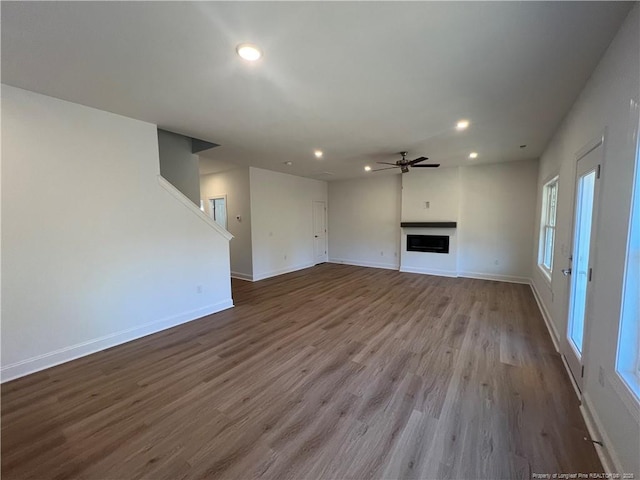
328,373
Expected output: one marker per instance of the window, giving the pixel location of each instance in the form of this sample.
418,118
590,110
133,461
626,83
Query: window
628,361
548,226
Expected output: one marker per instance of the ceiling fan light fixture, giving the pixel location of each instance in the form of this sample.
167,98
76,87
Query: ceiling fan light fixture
318,153
462,125
249,52
473,155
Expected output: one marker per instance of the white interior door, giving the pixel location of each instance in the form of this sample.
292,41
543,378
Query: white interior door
580,271
218,210
319,232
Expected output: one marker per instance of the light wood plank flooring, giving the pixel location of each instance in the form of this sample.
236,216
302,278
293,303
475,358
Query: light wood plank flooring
334,372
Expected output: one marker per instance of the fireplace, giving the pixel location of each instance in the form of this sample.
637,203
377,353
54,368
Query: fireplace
428,243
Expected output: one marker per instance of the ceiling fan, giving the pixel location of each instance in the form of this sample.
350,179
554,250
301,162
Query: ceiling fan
404,164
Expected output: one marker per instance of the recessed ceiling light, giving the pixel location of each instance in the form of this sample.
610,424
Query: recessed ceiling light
473,155
367,168
462,124
318,153
288,163
249,52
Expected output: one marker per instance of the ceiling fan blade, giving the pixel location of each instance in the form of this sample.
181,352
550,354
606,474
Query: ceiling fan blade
418,160
380,169
387,163
427,165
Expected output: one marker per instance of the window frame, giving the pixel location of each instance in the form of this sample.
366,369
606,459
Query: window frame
548,224
627,364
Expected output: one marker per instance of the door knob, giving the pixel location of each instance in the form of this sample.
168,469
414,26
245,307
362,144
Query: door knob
566,271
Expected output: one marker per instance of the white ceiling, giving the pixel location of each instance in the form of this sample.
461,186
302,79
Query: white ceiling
359,80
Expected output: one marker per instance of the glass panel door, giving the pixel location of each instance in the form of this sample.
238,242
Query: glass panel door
580,272
218,209
581,250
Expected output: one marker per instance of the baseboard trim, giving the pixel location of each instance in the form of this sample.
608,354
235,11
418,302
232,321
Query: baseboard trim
242,276
546,317
608,458
275,273
496,277
429,271
445,273
73,352
572,379
553,333
356,263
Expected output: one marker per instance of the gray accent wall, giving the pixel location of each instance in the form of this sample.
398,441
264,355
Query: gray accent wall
178,165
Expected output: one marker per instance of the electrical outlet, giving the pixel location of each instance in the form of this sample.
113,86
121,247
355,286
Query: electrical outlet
285,257
199,289
601,376
496,262
382,254
427,205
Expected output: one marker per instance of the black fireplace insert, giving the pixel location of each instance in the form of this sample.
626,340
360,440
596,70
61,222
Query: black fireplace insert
428,243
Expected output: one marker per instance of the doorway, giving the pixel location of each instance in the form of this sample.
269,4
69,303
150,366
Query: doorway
218,210
319,232
580,272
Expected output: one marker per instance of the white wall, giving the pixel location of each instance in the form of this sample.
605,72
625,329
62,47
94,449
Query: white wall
605,104
282,221
441,190
497,216
493,204
95,251
440,187
235,185
364,220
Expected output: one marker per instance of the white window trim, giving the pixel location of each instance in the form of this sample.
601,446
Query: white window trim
626,384
628,369
544,210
